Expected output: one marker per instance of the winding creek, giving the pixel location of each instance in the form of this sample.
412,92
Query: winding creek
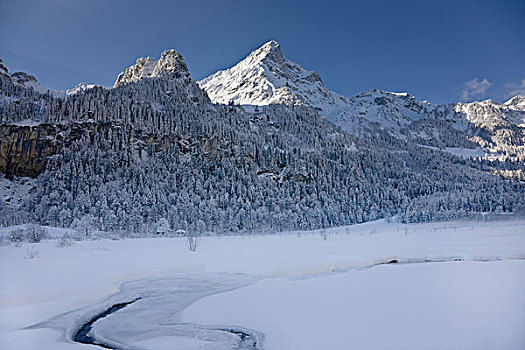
84,336
147,311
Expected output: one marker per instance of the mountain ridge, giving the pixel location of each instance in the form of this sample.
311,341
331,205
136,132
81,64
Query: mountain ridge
265,77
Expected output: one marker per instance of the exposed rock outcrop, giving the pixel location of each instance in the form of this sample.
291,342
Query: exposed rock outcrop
25,149
170,62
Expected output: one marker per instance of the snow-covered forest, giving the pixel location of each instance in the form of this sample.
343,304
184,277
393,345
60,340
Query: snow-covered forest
156,148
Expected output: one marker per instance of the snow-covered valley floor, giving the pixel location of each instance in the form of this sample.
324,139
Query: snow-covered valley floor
457,285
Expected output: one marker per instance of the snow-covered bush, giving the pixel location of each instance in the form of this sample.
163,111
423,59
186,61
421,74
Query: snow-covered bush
35,233
16,237
83,227
65,241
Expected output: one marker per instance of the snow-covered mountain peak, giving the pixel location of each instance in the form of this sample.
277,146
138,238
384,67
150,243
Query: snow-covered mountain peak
517,102
265,77
269,51
170,62
490,114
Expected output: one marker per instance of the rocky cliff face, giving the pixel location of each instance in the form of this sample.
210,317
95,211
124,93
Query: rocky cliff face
25,149
30,135
3,68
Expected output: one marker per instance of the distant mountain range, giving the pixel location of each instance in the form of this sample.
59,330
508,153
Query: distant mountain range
265,77
160,146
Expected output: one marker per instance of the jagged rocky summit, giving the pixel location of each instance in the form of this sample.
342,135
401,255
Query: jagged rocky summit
170,63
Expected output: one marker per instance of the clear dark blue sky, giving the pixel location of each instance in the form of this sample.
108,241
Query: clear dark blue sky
442,51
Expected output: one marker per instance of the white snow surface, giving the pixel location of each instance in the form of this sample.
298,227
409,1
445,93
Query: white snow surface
466,153
468,305
291,291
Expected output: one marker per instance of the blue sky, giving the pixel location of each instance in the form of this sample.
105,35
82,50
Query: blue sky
442,51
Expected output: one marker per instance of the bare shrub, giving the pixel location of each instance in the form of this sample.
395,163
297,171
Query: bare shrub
32,253
35,233
192,240
324,234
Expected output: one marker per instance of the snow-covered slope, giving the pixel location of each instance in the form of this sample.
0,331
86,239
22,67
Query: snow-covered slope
28,81
80,88
389,110
490,114
516,102
280,168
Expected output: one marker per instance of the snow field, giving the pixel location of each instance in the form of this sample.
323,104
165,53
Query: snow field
304,269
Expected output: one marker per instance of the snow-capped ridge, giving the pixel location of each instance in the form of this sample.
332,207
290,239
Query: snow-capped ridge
170,62
265,77
517,101
3,68
22,78
82,87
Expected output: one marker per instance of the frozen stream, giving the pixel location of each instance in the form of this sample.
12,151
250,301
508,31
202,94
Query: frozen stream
147,312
